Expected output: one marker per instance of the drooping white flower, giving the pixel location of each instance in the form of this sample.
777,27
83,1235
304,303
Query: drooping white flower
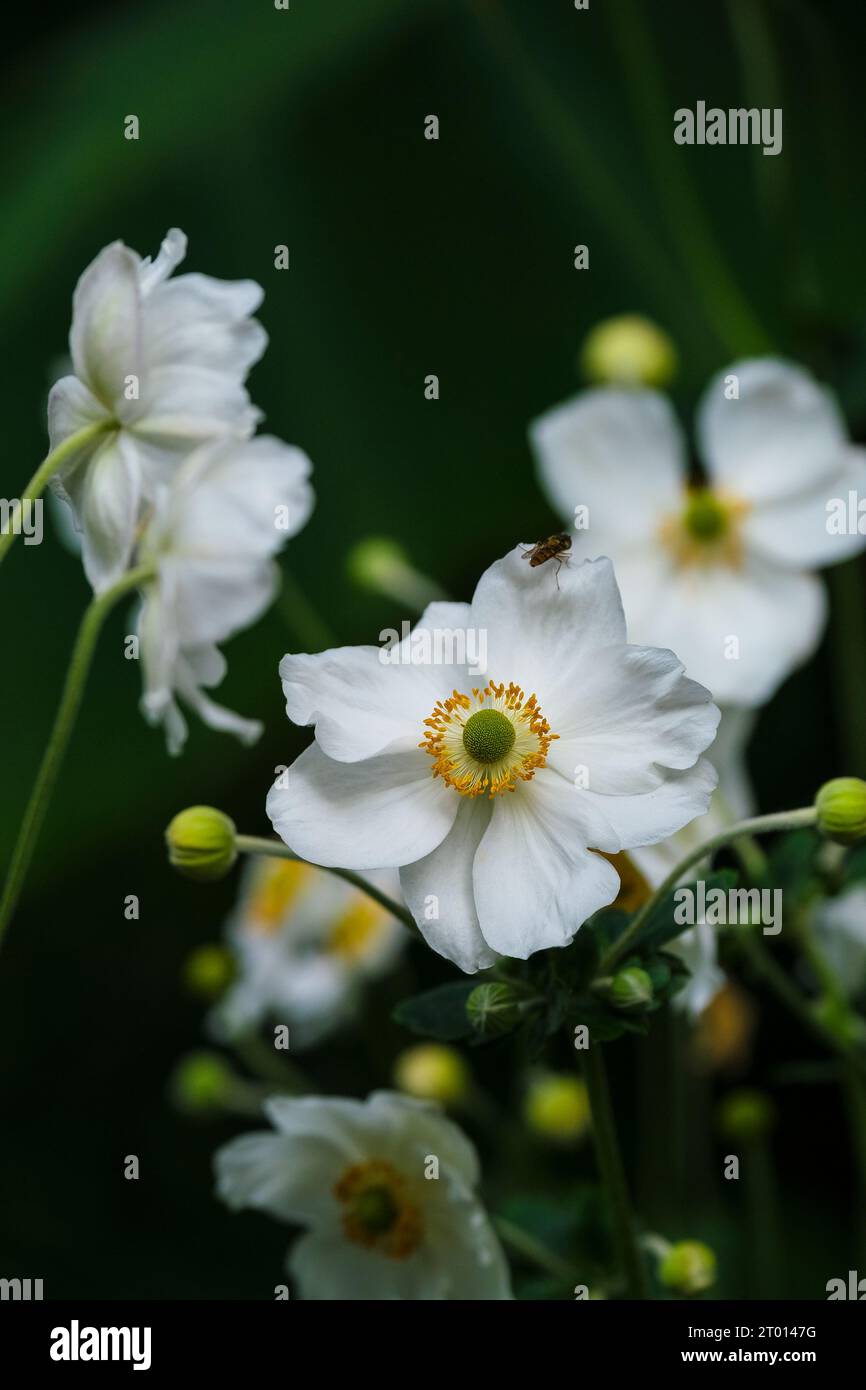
212,538
161,362
388,1190
732,801
717,571
305,942
491,791
840,925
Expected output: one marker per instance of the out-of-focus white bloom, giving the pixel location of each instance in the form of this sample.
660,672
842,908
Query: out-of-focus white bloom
212,538
733,800
840,925
488,790
305,942
388,1190
161,362
720,571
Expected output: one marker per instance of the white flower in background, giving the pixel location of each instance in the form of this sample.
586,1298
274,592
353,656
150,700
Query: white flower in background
489,792
162,363
717,571
305,942
732,801
840,925
388,1190
228,510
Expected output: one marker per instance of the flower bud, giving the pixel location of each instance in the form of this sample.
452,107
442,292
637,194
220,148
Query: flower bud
746,1114
201,843
493,1009
556,1107
382,566
208,970
201,1082
629,350
689,1267
431,1071
841,807
631,988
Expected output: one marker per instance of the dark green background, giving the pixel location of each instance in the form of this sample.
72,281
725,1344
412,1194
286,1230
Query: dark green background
260,127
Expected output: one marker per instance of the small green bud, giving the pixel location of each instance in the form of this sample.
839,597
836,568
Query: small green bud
746,1114
432,1071
629,350
201,843
841,807
209,970
631,988
689,1267
374,562
200,1082
557,1108
493,1009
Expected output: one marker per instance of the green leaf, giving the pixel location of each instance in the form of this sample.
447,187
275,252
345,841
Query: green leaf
438,1013
661,926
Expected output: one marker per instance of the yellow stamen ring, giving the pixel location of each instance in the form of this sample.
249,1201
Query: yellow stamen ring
377,1212
484,744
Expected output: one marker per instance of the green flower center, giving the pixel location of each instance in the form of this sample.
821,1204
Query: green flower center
488,736
375,1210
705,517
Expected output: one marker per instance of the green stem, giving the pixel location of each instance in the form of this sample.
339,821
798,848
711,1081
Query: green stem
522,1243
256,844
70,703
613,1174
47,469
310,630
779,820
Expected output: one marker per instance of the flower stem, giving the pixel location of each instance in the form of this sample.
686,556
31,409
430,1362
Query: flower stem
49,466
256,844
778,820
302,618
522,1243
70,703
613,1174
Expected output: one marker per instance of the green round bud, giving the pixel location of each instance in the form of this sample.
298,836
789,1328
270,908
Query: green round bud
432,1071
746,1114
631,988
841,807
493,1009
374,562
201,843
201,1082
209,970
689,1267
556,1107
629,350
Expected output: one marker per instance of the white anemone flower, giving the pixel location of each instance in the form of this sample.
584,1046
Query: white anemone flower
490,792
161,363
840,925
305,943
719,571
388,1190
733,800
211,540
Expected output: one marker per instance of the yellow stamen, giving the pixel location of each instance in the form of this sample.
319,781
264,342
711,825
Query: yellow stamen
357,929
377,1212
487,762
707,531
279,885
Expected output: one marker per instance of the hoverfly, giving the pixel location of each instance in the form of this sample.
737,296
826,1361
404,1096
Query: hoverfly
554,548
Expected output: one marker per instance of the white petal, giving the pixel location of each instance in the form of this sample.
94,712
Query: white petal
444,879
197,319
105,495
633,714
384,812
698,950
619,453
783,434
171,252
330,1267
184,405
416,1128
651,816
542,636
105,339
71,407
290,1177
802,531
739,632
535,882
